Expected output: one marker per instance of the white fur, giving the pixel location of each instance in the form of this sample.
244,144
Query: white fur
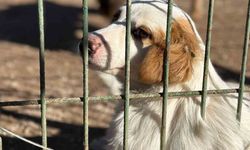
186,129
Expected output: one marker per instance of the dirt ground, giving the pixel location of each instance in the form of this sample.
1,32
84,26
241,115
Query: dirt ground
19,69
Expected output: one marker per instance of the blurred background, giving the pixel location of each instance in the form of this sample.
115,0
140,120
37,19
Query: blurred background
19,69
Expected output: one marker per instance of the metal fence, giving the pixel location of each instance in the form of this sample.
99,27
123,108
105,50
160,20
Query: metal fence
127,96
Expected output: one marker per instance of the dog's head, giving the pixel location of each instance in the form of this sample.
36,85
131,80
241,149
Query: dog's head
147,45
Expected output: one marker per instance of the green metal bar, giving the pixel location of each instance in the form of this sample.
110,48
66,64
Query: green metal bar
85,74
207,56
244,64
132,97
165,76
42,72
1,144
127,74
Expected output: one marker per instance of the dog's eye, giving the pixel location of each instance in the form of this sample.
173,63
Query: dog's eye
140,33
116,16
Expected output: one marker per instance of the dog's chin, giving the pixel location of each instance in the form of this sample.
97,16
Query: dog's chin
99,68
96,67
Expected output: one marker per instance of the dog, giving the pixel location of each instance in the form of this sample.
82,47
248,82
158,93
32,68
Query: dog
185,128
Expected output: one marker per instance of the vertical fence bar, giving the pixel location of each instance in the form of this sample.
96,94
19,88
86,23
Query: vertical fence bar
127,74
244,64
1,144
42,72
207,56
165,76
85,73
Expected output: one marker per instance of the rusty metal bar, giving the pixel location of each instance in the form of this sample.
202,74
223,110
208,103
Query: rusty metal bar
133,97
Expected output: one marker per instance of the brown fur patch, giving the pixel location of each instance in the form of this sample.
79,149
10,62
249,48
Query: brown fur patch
184,49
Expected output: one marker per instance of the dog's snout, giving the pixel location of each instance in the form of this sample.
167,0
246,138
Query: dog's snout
94,44
93,47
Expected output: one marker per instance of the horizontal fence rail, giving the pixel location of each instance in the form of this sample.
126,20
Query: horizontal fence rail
133,97
128,96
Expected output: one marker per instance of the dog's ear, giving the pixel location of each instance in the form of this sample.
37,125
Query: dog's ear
184,49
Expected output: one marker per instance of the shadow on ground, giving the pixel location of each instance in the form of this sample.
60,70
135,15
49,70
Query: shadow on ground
229,75
20,24
70,136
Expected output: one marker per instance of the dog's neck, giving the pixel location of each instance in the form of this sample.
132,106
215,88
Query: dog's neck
184,112
116,82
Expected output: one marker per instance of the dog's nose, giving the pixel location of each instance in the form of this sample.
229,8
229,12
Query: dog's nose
94,43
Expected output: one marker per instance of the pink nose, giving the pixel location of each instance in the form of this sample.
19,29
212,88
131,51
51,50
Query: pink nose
94,43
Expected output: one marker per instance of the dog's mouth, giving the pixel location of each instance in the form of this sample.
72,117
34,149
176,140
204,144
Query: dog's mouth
92,64
95,64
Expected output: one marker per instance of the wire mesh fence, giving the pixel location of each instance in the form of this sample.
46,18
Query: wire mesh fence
127,96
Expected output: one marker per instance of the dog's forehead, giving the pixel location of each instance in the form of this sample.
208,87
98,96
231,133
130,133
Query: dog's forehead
149,8
152,14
